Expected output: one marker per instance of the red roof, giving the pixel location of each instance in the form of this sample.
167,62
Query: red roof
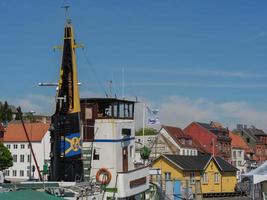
238,142
177,134
15,132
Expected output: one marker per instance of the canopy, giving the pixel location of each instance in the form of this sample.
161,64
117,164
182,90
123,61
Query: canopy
27,194
257,175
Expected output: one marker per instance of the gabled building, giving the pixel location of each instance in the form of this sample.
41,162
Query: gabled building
240,154
256,139
15,140
2,132
201,175
172,140
213,137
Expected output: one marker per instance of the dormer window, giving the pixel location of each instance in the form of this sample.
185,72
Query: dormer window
182,141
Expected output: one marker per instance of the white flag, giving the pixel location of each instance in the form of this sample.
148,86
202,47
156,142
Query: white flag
152,116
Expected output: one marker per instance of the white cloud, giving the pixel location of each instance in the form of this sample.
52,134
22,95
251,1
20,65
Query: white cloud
41,104
176,111
198,72
180,111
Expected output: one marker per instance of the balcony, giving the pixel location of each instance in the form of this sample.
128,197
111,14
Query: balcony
132,182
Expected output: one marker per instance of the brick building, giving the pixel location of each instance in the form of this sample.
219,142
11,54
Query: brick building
213,137
256,139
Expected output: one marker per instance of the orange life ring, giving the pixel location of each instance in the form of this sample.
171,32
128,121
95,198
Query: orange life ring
105,178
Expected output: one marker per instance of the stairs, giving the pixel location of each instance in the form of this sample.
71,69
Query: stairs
87,158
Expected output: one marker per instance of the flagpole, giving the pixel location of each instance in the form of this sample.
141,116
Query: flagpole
144,113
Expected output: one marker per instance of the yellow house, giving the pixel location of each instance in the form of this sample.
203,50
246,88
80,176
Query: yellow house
202,174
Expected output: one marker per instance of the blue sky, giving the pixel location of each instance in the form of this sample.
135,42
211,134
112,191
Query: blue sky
194,60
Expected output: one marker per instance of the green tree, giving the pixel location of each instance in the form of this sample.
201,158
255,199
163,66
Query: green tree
5,112
148,131
6,159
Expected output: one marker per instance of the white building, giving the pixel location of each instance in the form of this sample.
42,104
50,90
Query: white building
15,140
239,151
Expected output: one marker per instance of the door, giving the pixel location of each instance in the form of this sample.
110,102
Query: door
177,190
169,189
125,159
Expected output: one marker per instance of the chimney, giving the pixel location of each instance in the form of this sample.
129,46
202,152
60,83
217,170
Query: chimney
44,120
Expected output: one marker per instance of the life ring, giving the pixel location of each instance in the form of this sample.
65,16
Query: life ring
103,176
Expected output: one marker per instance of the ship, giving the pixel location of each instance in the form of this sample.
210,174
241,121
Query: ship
92,141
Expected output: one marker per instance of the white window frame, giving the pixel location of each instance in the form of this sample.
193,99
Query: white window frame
216,177
14,172
167,176
205,177
15,158
21,173
21,158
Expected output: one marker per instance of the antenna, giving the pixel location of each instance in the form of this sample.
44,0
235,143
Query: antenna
110,88
123,97
66,8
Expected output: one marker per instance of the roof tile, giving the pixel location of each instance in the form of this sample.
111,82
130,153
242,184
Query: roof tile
15,132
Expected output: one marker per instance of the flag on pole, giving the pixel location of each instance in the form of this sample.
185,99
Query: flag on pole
152,116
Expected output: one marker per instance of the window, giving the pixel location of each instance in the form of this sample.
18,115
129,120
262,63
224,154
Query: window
21,158
216,177
96,154
8,146
187,152
21,173
22,146
28,173
29,158
234,154
205,177
239,153
167,175
248,140
191,152
7,172
15,146
15,158
14,172
183,152
28,146
126,132
234,163
192,178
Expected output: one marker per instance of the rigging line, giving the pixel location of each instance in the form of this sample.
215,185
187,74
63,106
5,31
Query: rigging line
95,73
114,86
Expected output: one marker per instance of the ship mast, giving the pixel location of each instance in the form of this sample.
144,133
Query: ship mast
66,163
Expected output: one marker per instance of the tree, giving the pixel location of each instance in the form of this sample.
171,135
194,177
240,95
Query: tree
148,131
5,112
6,159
